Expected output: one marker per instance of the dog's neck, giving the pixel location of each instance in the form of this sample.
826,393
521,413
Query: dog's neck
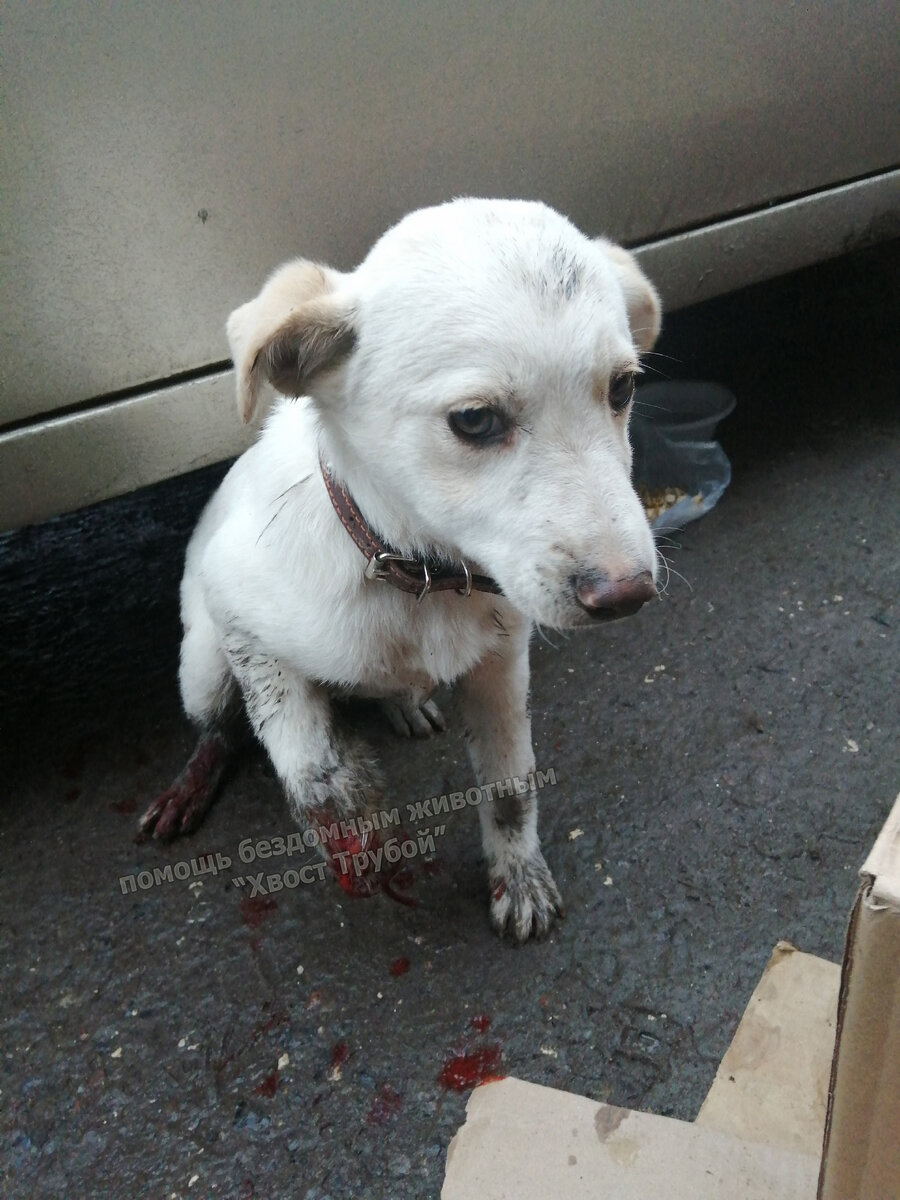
387,520
404,562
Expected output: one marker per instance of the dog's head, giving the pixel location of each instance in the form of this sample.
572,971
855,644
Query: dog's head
474,378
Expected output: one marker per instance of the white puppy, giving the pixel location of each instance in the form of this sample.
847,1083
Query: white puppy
461,401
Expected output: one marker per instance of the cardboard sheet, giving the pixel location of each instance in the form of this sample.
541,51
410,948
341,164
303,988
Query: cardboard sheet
862,1148
525,1142
772,1084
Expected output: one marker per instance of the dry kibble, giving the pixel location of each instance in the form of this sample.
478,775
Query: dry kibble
657,500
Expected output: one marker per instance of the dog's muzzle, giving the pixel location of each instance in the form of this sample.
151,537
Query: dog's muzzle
608,599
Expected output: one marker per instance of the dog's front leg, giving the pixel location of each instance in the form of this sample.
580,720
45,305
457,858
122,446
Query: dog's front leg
494,701
328,778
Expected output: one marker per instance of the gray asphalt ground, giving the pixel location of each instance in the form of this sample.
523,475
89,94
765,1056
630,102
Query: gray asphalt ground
724,760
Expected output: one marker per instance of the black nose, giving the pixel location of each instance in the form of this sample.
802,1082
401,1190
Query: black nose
606,599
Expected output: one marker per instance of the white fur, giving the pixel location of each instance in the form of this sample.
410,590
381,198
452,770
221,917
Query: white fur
490,302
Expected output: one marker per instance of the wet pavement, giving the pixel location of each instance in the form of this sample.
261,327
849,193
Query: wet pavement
723,761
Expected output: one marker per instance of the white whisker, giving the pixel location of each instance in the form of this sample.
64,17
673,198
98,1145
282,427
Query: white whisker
641,404
543,636
670,571
656,370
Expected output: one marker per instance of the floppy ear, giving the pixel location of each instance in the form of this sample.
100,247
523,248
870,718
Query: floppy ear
297,325
641,297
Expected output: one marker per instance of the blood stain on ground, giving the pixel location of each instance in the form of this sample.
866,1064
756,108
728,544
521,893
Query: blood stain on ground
464,1071
385,1105
268,1087
481,1022
340,1052
273,1022
255,909
399,966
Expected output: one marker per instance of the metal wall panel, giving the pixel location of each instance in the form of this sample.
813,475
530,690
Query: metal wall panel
159,159
48,467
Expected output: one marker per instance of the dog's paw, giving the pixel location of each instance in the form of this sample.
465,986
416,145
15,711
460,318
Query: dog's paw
349,854
357,861
410,719
525,899
180,809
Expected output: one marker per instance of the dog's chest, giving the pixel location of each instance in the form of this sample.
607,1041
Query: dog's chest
414,651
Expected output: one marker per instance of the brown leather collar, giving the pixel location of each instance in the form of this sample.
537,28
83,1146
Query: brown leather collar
418,576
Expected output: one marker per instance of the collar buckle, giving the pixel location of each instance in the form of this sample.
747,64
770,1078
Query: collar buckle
378,568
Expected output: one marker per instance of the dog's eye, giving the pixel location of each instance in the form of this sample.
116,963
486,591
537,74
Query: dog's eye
621,390
481,425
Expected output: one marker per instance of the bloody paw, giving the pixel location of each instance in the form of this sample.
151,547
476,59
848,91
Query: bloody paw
181,807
